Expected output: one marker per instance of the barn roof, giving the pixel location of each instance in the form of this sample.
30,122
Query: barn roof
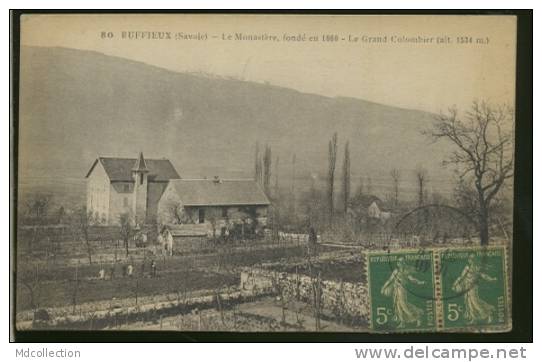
219,192
365,201
120,169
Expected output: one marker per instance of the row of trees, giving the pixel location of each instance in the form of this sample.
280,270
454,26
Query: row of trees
39,209
481,158
262,168
346,175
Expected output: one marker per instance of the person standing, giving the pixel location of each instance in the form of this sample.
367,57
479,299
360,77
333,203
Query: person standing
313,236
153,269
169,242
112,271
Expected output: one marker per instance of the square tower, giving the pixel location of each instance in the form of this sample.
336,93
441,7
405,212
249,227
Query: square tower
140,175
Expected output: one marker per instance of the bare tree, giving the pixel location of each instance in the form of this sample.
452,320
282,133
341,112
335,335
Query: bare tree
176,212
213,218
346,176
316,284
360,190
277,177
421,182
293,184
60,215
30,279
369,185
257,164
75,290
465,198
126,230
37,207
267,170
84,221
396,179
332,155
483,155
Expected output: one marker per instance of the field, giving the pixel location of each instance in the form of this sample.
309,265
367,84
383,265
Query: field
178,273
58,278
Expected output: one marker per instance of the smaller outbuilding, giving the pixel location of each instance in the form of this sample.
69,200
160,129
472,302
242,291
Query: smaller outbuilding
216,206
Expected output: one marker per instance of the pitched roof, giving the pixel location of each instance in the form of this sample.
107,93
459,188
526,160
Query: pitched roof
365,201
120,169
219,192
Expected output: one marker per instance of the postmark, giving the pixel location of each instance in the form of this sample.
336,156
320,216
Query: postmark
458,289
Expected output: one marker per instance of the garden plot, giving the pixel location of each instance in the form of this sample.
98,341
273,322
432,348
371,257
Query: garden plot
264,315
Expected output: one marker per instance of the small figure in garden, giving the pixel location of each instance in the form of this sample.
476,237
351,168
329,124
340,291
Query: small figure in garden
112,271
313,237
153,269
129,270
101,274
160,240
169,243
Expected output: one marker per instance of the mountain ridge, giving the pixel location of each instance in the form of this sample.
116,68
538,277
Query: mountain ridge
78,105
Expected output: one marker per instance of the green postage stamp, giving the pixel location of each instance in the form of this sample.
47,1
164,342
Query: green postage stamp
462,289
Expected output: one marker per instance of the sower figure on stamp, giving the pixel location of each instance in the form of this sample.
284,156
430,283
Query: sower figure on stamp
476,309
404,312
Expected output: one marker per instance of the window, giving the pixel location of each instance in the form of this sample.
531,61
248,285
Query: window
201,216
125,201
224,212
141,179
126,188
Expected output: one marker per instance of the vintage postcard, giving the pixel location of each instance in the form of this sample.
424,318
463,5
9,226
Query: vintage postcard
259,172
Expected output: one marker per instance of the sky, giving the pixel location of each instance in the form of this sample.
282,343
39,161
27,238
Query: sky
377,67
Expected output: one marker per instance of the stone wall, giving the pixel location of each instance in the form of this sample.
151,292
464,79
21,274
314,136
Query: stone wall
340,298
